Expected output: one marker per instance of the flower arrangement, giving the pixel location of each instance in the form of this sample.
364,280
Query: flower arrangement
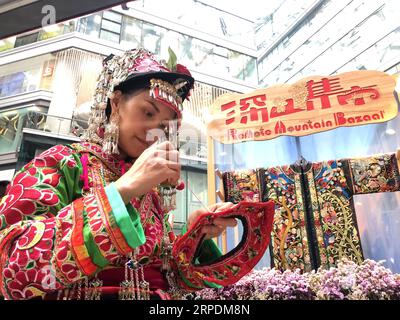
348,281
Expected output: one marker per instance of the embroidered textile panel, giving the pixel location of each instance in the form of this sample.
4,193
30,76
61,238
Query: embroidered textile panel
289,238
374,174
241,186
289,241
315,222
335,222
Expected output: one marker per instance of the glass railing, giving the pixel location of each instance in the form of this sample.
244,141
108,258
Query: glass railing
52,124
13,122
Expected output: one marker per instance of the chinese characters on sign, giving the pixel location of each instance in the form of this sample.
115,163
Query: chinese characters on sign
311,105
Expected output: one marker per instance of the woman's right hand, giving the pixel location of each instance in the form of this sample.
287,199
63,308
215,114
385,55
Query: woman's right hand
156,164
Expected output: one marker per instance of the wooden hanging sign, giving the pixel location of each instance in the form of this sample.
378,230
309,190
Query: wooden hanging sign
309,106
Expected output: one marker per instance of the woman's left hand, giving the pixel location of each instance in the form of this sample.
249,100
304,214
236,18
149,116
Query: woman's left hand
219,224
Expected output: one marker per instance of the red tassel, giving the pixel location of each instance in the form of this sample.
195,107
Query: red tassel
122,167
100,132
180,186
85,175
171,236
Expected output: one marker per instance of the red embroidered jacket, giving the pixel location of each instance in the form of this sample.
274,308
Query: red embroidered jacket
57,226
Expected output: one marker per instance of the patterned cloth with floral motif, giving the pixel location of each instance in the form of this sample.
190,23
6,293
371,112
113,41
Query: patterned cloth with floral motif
64,236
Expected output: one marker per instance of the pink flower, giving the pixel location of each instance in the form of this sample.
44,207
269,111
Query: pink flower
146,65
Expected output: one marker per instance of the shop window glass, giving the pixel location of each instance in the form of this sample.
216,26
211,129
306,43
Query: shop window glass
12,84
112,16
109,36
197,197
191,13
90,25
131,32
151,37
194,53
26,75
192,197
110,26
7,43
26,39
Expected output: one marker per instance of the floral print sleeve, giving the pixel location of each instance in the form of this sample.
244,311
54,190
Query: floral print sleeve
52,236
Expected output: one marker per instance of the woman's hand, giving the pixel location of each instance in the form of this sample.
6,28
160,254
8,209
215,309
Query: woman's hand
219,224
156,164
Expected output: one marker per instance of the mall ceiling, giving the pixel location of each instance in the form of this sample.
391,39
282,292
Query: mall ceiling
18,16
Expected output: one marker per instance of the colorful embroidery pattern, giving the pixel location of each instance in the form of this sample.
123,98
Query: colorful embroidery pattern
335,221
27,270
99,231
289,248
257,219
315,223
242,186
375,174
42,244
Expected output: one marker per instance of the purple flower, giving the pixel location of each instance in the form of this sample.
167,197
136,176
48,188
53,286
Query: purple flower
347,281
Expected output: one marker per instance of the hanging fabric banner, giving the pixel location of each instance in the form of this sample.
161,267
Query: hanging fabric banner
309,106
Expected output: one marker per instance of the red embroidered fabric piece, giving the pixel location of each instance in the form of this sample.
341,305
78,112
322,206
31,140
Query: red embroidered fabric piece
257,219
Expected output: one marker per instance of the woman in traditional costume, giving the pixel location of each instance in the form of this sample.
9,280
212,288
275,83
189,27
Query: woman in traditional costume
90,220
